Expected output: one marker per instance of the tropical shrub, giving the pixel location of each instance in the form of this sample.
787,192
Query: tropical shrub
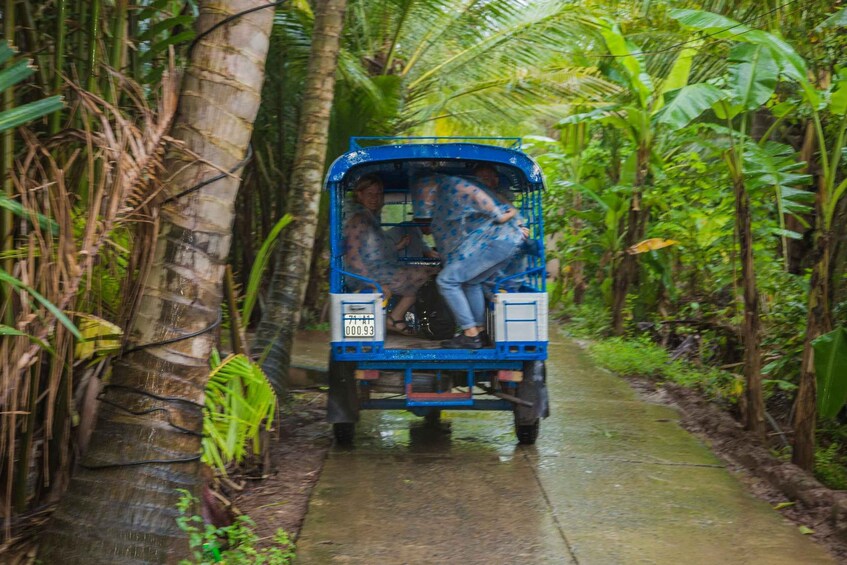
236,544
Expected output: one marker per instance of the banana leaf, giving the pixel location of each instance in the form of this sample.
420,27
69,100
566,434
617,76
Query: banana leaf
831,371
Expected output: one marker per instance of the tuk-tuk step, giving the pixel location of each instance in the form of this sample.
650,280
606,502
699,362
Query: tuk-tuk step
438,398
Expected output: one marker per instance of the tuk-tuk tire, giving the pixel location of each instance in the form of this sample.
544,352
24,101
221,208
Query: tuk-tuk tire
527,434
533,390
344,432
342,400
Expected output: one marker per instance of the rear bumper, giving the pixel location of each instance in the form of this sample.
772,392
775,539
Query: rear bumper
375,352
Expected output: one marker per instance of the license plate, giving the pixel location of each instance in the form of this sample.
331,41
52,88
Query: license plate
359,325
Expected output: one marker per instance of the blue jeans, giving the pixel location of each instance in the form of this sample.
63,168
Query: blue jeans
460,282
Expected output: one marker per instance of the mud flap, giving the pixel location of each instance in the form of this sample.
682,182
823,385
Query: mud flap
533,389
342,404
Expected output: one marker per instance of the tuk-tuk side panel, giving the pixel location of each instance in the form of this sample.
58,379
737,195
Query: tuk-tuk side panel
520,317
357,317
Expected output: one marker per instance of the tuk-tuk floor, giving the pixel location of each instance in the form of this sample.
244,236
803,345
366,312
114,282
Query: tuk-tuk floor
395,341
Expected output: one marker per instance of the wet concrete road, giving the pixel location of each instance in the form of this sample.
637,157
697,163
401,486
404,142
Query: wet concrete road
612,480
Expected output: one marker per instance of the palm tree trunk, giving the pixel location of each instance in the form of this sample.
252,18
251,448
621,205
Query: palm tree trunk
291,270
754,412
120,506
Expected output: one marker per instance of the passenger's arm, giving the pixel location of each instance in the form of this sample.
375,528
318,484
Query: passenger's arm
355,234
484,202
511,213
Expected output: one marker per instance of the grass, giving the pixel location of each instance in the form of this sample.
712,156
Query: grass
641,357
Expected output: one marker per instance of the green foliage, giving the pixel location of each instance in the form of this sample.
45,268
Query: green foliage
643,358
636,358
586,320
258,269
240,402
831,467
688,103
162,25
8,331
12,75
830,370
233,545
17,284
16,208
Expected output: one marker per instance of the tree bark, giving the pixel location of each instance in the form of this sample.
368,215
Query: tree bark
120,506
578,134
754,415
627,265
291,270
818,322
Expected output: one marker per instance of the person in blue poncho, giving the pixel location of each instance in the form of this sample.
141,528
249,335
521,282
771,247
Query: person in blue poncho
508,273
476,234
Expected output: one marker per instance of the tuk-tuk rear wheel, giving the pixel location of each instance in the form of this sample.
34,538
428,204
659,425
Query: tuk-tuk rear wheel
527,433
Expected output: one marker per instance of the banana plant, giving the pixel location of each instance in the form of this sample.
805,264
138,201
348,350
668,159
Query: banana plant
751,80
777,57
635,115
830,368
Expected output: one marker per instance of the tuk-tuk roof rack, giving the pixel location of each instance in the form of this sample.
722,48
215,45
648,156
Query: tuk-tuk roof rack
392,150
355,141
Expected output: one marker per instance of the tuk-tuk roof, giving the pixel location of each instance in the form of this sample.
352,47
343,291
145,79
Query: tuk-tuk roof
416,151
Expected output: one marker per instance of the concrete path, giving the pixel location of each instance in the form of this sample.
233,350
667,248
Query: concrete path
612,480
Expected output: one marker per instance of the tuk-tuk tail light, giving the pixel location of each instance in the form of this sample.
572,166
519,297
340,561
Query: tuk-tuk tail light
367,375
510,376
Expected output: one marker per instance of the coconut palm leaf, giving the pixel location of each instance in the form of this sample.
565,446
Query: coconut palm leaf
257,271
9,331
240,403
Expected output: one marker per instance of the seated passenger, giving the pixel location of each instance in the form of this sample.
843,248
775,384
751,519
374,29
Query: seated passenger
372,253
409,242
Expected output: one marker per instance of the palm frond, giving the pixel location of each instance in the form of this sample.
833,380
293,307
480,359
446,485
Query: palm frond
240,403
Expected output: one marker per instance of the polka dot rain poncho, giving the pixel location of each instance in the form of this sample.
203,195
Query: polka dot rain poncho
463,216
370,253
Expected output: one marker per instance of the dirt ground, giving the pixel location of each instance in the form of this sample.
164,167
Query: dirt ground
281,498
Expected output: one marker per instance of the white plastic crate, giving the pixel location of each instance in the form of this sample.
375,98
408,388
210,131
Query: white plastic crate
351,315
520,317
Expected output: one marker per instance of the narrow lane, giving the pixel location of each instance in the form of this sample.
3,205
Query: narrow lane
612,479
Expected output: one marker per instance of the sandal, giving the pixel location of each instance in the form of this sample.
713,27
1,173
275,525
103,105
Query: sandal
398,326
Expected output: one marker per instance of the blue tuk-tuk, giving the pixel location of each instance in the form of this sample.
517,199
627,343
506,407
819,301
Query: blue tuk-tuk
371,369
